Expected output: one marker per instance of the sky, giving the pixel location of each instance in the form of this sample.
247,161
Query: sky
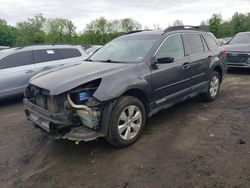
146,12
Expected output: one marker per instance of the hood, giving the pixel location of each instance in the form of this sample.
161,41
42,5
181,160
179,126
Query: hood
66,78
238,47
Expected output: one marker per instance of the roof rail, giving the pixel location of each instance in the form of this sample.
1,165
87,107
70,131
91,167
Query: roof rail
186,27
137,31
49,44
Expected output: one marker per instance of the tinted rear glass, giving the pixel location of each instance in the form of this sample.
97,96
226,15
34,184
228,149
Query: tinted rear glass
41,56
16,60
194,43
68,53
212,45
55,54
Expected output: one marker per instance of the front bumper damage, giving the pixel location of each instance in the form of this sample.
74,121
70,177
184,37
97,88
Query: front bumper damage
62,125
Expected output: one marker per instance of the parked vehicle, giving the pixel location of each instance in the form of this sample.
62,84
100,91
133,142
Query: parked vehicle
18,65
224,41
238,51
126,81
4,47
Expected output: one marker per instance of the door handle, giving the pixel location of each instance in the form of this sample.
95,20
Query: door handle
29,71
186,65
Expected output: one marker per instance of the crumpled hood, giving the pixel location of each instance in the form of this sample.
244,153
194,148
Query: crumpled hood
238,47
66,78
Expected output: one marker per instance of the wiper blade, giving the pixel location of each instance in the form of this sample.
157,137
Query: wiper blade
110,61
88,60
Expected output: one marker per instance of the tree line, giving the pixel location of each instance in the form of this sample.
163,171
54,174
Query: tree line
221,28
40,30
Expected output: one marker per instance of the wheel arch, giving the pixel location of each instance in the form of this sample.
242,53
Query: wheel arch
219,70
140,94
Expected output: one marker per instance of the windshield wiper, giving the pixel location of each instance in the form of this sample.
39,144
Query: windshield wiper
88,60
110,61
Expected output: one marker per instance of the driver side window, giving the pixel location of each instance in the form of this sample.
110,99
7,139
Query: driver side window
171,47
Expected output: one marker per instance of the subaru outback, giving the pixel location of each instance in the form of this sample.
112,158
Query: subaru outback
124,83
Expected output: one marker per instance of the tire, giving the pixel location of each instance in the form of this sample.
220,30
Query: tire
126,121
213,87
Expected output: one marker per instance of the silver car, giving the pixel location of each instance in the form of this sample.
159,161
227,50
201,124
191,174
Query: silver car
18,65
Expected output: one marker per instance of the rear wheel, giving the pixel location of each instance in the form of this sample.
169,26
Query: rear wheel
127,121
213,87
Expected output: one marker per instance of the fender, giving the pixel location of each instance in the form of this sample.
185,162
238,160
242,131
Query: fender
111,88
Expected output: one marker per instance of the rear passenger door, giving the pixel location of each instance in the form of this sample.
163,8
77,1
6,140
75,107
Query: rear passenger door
198,60
15,71
46,59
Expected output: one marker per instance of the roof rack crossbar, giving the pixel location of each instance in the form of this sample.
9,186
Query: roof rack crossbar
137,31
186,27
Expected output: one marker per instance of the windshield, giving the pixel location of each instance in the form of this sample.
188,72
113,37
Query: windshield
128,50
242,38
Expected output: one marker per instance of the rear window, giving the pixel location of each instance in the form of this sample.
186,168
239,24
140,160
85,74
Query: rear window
69,53
55,54
194,43
16,60
41,56
212,45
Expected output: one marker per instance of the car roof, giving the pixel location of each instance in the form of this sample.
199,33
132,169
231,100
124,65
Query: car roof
161,32
8,51
247,32
46,46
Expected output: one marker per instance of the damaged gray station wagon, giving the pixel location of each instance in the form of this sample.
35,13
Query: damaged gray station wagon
128,80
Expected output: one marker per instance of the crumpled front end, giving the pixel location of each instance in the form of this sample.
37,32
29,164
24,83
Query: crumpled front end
73,115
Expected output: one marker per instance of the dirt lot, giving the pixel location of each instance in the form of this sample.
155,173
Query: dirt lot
193,144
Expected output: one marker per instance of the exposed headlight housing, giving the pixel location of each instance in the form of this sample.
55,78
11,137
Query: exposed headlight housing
81,94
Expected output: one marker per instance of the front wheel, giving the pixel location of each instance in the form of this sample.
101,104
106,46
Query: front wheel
127,121
213,87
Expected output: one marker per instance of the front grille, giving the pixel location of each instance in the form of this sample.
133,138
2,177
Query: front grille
240,58
41,98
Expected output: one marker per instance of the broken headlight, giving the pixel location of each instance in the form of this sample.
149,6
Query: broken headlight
83,103
81,94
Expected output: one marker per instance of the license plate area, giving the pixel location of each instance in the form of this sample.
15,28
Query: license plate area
45,125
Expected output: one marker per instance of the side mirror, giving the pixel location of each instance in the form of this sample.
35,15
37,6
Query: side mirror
165,60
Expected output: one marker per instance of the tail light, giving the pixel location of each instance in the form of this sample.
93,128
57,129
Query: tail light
225,52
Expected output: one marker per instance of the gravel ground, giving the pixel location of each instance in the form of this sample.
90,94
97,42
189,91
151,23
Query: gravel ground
193,144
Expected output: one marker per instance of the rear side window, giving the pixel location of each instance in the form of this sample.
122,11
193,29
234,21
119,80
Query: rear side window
68,53
194,43
210,42
41,56
16,60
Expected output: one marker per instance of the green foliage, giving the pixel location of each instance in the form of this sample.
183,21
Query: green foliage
7,34
39,30
238,23
59,31
31,31
101,31
214,24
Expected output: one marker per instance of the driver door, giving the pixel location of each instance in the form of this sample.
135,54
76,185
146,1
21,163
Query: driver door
170,79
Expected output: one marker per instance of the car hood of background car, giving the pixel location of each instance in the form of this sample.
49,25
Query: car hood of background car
59,80
238,47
